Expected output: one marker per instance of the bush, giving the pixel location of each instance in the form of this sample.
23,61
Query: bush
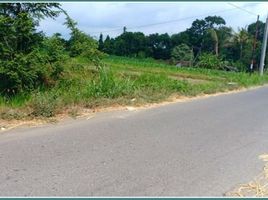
240,66
42,66
81,44
182,52
10,114
209,61
18,74
44,105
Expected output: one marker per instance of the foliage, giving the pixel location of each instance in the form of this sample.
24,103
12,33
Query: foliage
44,105
182,52
208,35
35,70
128,81
22,65
81,44
209,61
107,85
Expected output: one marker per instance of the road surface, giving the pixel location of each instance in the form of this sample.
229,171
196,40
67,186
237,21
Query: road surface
203,147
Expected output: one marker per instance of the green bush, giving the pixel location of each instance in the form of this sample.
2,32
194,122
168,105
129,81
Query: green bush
182,52
81,44
240,66
26,72
209,61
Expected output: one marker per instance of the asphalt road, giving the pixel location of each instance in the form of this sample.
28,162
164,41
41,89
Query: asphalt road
203,147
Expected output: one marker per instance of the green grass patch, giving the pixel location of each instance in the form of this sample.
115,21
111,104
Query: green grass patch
123,81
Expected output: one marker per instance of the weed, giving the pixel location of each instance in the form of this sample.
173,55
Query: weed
44,105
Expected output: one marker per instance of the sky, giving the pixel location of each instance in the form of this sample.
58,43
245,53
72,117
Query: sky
110,17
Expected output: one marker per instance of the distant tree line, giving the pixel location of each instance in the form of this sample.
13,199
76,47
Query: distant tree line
207,38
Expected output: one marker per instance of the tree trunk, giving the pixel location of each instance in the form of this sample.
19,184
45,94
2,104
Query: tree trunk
217,48
241,48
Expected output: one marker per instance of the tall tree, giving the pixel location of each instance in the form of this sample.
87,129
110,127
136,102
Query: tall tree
241,38
21,64
199,29
215,39
101,43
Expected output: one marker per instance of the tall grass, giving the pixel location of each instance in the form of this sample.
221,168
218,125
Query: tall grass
83,85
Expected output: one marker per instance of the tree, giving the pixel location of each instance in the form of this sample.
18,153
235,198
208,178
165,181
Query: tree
130,44
22,66
81,44
182,52
159,45
101,44
241,38
35,10
214,22
108,45
179,38
252,30
215,39
198,32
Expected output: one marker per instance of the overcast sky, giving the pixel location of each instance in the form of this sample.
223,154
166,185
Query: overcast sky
96,17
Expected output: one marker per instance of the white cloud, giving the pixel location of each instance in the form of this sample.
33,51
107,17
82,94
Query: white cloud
96,17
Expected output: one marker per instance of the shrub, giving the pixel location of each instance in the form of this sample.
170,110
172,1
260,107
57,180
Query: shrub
182,52
26,71
10,114
209,61
18,74
240,66
81,44
44,105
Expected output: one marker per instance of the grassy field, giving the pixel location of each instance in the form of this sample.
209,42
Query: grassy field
123,81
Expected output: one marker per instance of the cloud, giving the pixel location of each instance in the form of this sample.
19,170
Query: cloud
96,17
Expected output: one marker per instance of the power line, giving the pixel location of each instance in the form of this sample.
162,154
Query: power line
172,21
240,8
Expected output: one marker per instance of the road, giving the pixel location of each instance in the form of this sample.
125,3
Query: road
202,147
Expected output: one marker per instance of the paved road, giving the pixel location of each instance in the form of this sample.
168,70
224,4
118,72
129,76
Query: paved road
198,148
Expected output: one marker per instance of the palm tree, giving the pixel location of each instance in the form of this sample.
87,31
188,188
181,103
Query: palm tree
215,38
241,38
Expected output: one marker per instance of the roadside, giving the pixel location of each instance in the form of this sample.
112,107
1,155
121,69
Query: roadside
82,113
258,187
203,147
123,82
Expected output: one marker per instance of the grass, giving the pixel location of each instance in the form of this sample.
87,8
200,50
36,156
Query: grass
121,81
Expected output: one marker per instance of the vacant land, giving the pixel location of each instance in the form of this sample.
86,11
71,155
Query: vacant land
122,81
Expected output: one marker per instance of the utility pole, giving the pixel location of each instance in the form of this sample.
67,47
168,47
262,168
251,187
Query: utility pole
264,44
254,47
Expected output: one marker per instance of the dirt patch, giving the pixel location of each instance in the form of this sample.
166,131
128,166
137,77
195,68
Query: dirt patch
256,188
190,80
181,77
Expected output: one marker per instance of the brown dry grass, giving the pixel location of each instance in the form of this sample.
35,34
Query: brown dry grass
255,188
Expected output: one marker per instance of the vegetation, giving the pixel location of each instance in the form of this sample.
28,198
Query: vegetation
182,52
205,36
43,76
